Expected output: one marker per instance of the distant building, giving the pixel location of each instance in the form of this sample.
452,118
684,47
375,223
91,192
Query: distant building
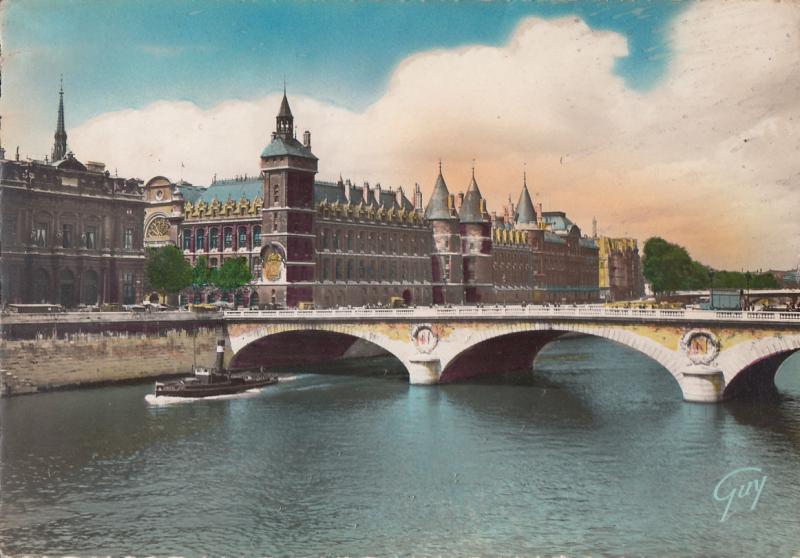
620,269
71,232
336,243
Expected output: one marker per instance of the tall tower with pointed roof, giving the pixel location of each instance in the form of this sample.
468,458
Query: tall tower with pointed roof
60,143
476,241
525,214
446,260
288,216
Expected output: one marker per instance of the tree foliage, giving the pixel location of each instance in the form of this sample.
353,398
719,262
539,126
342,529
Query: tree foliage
233,274
166,270
202,275
668,267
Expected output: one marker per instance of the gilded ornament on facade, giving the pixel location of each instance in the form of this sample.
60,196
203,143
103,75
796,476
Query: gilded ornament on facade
272,267
158,227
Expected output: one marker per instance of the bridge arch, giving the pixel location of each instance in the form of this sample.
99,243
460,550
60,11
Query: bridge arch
750,367
518,345
299,343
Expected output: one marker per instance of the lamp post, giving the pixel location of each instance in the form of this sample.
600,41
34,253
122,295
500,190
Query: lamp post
747,283
711,290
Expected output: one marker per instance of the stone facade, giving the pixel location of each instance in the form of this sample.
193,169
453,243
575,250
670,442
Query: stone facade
337,244
620,269
71,233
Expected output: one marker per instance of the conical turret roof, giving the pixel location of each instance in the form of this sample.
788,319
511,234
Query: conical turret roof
525,214
438,206
471,210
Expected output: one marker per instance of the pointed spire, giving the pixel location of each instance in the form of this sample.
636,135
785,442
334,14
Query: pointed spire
60,143
438,206
284,122
525,214
473,206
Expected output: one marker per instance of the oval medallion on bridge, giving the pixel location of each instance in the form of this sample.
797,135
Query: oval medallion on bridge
424,338
700,345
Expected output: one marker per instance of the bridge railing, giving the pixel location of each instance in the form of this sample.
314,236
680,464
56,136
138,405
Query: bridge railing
529,311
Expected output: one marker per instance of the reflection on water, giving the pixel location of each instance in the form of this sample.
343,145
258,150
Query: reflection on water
592,453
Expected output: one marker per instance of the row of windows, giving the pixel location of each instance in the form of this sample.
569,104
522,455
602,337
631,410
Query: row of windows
371,242
199,238
369,270
67,237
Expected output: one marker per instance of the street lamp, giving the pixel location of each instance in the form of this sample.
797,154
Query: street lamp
711,290
747,283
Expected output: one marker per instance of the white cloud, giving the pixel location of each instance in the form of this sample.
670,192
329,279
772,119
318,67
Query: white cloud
707,158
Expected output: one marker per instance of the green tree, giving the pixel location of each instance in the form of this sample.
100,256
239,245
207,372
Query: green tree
669,267
233,274
202,275
166,270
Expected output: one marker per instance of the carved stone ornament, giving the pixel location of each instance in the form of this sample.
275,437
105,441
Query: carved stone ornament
424,338
700,345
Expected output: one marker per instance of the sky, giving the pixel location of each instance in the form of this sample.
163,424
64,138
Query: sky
671,119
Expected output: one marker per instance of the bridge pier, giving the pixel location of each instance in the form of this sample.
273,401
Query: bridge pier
423,371
702,384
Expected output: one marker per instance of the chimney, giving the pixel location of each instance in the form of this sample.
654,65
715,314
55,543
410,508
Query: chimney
539,211
451,202
377,191
307,139
365,192
460,200
399,195
417,197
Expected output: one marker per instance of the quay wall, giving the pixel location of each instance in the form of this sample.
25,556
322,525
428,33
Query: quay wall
51,351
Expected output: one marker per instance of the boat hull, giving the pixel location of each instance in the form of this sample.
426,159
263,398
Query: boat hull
211,389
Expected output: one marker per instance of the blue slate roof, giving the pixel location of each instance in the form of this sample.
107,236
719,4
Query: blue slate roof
279,147
223,189
588,243
553,237
557,220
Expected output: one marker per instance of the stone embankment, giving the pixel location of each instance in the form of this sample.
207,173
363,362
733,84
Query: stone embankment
40,352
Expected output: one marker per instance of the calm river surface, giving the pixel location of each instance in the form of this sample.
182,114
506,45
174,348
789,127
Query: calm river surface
592,454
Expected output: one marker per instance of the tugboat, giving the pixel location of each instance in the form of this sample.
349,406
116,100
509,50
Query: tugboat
208,382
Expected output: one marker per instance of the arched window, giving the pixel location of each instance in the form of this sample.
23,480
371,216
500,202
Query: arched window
213,239
349,270
338,276
242,238
227,237
187,239
199,242
335,240
349,241
66,288
257,235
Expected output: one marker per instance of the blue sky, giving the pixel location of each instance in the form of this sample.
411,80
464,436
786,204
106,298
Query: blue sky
117,55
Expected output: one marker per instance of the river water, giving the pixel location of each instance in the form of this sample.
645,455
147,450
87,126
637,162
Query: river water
593,453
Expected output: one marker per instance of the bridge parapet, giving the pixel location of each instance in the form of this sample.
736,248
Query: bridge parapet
583,311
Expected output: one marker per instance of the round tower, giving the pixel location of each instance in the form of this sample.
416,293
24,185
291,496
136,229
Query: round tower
446,258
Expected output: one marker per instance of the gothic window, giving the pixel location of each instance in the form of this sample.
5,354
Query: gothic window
213,239
187,239
257,235
361,242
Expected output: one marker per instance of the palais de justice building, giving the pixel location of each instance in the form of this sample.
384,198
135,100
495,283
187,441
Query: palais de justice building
70,232
336,243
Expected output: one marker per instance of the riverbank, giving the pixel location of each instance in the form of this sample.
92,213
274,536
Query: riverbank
58,351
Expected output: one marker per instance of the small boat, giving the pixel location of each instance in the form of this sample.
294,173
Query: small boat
208,382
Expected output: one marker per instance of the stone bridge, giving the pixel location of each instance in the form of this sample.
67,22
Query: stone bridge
712,355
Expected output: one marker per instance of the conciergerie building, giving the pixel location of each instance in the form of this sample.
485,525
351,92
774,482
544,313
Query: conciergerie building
337,244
